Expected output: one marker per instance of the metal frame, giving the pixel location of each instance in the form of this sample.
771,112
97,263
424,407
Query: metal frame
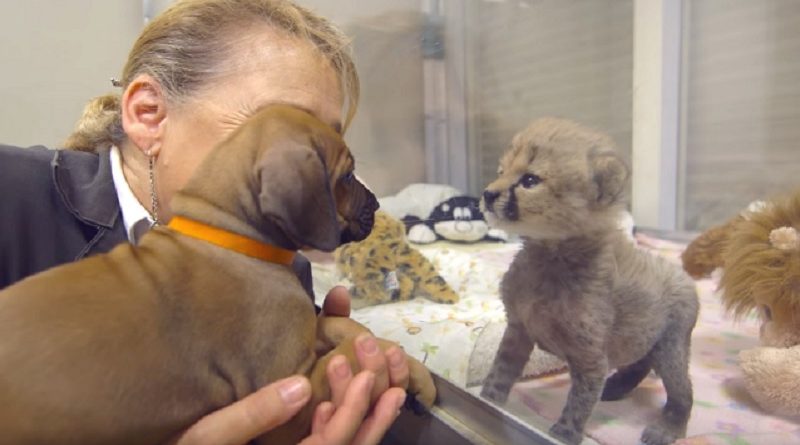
445,93
461,417
656,147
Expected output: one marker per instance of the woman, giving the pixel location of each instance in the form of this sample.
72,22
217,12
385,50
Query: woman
196,72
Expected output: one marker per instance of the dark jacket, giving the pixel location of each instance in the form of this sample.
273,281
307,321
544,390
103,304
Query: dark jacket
58,206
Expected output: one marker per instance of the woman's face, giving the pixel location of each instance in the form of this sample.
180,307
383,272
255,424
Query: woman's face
268,69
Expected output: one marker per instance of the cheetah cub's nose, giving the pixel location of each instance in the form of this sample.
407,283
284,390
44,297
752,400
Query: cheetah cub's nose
489,197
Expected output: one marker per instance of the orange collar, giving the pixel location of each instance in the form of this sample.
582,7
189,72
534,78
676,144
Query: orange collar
231,241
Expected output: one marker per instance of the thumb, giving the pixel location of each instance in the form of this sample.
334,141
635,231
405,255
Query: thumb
337,302
261,411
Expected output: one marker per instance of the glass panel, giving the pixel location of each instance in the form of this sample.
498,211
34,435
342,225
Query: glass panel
548,58
445,86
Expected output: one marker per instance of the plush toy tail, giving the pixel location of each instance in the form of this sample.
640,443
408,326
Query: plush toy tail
703,255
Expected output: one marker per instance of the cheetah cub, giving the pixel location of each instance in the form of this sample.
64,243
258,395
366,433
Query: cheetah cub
581,290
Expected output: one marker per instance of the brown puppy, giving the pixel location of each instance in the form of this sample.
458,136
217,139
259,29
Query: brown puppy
133,346
578,288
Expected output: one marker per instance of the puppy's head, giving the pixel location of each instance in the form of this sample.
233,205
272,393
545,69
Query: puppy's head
557,180
308,189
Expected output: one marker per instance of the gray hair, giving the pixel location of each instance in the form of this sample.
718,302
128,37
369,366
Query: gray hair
185,47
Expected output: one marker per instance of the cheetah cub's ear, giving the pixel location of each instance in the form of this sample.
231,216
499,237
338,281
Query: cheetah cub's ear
610,176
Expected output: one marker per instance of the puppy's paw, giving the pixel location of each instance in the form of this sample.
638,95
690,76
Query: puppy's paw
414,405
421,392
658,434
566,434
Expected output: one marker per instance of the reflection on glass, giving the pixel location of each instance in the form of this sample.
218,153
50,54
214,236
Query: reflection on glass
446,86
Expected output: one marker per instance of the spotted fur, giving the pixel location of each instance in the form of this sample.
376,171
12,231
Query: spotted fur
385,268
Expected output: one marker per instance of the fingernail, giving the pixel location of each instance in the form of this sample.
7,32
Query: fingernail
397,359
294,390
368,344
341,368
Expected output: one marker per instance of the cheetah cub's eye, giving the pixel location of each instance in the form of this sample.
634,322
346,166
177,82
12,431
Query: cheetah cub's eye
529,180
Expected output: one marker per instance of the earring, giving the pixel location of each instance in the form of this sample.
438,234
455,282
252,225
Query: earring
153,197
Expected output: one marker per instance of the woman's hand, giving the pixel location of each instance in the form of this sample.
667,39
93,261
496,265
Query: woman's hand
390,368
345,422
273,405
254,415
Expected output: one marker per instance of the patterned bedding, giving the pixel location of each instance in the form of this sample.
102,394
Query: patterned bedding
441,336
445,337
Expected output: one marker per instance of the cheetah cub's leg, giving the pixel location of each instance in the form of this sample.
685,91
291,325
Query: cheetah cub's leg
512,355
671,362
587,375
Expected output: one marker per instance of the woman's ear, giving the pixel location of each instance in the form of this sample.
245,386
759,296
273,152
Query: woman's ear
144,113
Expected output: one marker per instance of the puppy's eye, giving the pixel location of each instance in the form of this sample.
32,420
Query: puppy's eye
767,312
350,177
529,180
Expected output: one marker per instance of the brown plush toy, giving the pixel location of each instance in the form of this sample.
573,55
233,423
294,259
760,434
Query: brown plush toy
759,256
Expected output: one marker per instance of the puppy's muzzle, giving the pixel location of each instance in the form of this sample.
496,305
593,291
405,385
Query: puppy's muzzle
362,224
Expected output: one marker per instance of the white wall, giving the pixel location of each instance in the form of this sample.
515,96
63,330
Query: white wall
58,54
55,56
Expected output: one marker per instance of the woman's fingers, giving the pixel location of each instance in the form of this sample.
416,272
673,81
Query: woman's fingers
383,416
398,367
337,302
265,409
371,358
322,415
339,378
342,426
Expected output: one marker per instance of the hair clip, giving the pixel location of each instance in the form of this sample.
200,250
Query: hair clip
115,82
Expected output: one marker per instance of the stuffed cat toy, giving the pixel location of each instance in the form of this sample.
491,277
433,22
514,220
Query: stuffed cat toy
457,219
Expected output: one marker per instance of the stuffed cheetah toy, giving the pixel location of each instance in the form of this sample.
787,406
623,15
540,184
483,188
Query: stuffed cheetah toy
384,268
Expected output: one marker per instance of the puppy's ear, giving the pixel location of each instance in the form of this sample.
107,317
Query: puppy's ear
296,195
610,176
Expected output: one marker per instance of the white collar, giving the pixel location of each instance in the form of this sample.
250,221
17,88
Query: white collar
132,210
